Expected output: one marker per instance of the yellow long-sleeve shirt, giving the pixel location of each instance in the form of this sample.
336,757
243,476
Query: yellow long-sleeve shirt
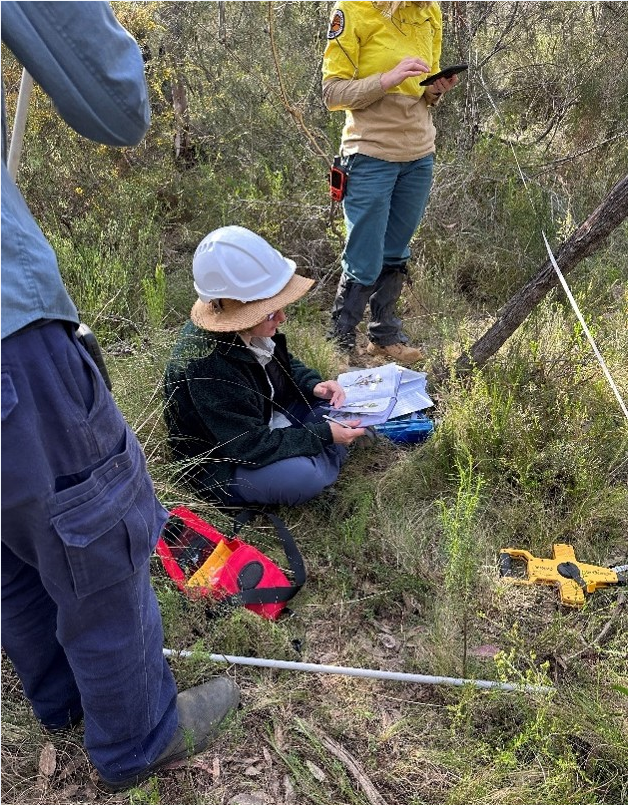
364,43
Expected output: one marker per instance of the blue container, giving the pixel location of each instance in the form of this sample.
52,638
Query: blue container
407,430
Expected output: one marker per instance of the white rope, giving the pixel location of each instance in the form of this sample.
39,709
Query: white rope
583,324
368,673
559,273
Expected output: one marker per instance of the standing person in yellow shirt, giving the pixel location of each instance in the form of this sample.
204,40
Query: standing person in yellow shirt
377,55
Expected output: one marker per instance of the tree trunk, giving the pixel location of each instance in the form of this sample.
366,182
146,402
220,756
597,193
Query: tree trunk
585,241
222,23
183,150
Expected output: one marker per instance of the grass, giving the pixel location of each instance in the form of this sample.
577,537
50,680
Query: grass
402,565
402,556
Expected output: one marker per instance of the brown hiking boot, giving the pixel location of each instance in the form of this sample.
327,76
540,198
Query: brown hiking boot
400,353
201,711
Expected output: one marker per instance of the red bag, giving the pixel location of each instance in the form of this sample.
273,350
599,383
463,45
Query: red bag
203,562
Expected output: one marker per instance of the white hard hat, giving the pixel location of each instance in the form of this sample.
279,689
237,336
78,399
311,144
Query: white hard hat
234,263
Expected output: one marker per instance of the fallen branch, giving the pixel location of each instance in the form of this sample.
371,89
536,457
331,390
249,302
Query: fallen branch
586,240
352,765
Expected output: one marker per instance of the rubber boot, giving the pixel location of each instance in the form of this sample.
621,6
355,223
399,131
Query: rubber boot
201,711
348,310
386,336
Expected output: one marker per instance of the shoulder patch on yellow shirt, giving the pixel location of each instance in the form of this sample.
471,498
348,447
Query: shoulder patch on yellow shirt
337,25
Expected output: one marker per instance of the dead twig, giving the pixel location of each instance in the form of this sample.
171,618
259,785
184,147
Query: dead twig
296,113
621,602
353,767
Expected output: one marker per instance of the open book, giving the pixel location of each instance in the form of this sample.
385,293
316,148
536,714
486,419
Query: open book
377,395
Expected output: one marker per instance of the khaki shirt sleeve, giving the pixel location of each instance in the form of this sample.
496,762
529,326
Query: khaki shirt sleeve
341,93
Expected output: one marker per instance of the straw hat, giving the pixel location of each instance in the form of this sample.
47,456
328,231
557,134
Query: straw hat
231,315
240,279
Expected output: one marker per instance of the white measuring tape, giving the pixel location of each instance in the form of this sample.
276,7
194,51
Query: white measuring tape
583,324
561,278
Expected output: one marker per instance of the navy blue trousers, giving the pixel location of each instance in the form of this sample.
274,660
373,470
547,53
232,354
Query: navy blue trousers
80,620
291,481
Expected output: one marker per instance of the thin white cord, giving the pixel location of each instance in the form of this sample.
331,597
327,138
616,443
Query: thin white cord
583,324
561,278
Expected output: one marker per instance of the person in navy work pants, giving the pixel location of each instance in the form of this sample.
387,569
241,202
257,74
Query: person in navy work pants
80,518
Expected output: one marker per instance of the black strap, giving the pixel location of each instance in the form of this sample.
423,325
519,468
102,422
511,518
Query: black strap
271,595
88,340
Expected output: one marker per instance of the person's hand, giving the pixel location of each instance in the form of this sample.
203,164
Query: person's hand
409,67
346,435
330,390
440,87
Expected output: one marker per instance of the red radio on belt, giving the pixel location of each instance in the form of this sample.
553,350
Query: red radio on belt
337,178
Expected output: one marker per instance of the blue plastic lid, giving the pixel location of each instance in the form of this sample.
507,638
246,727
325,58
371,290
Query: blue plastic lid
411,430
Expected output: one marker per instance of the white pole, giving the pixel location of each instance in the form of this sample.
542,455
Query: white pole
19,123
392,676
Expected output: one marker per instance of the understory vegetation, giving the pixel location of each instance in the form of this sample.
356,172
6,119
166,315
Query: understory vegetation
402,554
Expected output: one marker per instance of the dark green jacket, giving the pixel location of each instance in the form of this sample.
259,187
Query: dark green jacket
218,406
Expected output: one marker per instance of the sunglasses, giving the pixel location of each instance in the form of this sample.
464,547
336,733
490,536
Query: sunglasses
271,316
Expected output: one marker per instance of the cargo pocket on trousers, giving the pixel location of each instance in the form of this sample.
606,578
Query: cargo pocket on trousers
109,523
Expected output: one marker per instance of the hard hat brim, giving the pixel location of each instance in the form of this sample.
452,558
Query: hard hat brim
232,316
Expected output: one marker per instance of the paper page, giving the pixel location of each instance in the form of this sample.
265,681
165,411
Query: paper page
411,397
376,395
366,417
411,394
370,390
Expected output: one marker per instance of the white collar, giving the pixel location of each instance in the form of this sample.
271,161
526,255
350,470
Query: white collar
263,348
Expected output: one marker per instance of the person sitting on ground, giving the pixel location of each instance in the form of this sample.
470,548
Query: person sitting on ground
244,416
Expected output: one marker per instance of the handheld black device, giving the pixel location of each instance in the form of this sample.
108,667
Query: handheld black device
88,339
447,72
